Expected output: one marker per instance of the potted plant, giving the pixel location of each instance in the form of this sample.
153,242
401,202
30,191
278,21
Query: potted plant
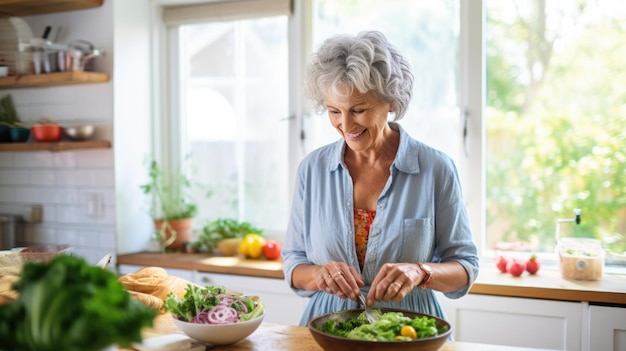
225,235
172,207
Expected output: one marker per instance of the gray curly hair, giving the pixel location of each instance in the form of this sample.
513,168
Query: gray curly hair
367,62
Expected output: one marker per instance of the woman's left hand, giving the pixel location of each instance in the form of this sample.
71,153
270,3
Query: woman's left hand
393,282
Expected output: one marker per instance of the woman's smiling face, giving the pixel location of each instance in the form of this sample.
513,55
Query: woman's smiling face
361,119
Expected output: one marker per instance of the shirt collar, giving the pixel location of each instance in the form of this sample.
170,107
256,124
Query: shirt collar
406,160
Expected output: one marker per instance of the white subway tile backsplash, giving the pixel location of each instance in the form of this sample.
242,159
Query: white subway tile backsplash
68,237
108,216
33,160
77,178
98,158
106,240
7,194
36,195
105,178
44,235
14,177
42,177
6,159
71,215
64,160
49,213
68,196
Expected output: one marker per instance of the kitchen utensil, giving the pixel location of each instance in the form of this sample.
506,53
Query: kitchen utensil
105,261
368,311
337,343
81,132
46,32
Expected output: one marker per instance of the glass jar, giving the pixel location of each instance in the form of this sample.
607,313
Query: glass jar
581,258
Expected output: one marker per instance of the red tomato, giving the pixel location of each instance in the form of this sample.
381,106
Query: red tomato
271,249
532,265
516,267
501,263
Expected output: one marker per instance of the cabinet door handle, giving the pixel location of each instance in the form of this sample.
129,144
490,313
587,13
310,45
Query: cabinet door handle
206,280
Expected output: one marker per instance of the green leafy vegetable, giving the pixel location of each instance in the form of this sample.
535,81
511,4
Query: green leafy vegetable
193,302
68,304
200,300
386,328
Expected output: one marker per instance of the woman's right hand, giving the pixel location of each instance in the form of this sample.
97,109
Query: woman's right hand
340,279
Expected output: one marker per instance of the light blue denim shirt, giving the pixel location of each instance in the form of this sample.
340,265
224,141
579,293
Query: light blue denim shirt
420,217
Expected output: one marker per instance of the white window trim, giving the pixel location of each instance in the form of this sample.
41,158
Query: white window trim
471,97
472,104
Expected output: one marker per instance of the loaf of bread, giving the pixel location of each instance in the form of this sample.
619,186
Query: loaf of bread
7,294
148,300
150,284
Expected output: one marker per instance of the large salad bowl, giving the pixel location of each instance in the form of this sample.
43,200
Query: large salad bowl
336,343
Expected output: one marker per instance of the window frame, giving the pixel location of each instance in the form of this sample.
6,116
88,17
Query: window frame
170,151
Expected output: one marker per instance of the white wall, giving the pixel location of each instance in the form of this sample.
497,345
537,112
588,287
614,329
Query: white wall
68,183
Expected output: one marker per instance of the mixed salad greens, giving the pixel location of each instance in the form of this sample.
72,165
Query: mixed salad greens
212,305
391,326
67,304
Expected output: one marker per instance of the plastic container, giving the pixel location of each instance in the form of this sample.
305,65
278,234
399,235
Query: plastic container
581,258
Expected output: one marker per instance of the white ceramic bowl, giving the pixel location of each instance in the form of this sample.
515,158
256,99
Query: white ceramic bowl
219,334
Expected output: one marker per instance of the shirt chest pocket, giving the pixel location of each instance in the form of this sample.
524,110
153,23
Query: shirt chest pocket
417,240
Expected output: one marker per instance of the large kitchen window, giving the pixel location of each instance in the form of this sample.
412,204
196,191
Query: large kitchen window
525,95
555,123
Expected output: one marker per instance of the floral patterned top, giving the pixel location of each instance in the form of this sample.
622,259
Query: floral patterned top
362,222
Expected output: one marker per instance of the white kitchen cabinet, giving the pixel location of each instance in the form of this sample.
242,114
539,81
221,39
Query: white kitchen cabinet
553,325
607,328
282,305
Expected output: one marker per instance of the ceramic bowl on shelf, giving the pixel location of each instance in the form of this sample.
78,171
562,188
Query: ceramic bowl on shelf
79,133
5,134
46,132
19,134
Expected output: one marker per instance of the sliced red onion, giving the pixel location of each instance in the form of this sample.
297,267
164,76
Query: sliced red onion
222,314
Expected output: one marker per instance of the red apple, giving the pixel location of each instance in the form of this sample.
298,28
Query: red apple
516,267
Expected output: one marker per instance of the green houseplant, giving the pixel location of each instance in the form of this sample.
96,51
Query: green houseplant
172,207
224,234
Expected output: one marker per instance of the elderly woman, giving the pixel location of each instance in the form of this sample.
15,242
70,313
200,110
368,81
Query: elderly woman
377,212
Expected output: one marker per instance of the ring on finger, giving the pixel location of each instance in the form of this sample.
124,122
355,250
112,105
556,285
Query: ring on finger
337,274
398,284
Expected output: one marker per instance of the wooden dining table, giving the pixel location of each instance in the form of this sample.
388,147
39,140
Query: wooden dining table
279,337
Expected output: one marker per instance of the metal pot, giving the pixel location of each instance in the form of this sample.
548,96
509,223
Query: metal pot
79,55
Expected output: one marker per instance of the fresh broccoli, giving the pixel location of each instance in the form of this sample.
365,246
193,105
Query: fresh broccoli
68,304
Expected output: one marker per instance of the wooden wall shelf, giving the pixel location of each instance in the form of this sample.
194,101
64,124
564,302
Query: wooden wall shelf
38,7
56,146
52,79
